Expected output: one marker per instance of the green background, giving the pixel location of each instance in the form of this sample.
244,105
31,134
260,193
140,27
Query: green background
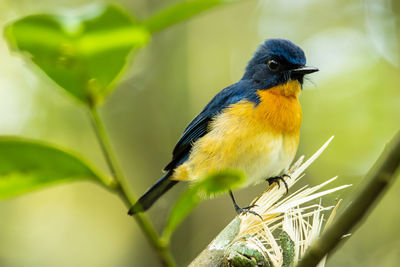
355,96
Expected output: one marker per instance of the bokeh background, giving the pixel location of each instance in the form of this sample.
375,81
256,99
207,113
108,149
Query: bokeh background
355,96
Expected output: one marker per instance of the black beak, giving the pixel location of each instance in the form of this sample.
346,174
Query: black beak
304,70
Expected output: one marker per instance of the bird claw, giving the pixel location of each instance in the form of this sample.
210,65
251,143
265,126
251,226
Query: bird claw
276,179
246,210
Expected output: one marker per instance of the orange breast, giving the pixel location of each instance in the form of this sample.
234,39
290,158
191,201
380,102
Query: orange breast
279,109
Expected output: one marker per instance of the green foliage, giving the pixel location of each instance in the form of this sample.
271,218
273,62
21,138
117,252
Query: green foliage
82,54
214,184
180,12
221,181
85,54
27,165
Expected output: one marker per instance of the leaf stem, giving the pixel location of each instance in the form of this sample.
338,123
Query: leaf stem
121,186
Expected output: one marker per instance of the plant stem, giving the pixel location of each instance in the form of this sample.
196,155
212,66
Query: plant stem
121,186
380,176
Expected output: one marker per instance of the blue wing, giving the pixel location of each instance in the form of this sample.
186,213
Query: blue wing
198,127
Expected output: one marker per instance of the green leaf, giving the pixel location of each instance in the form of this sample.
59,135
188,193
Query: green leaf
27,165
214,184
220,182
180,12
84,54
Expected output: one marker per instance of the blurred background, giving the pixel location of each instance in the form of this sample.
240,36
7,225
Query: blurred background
355,97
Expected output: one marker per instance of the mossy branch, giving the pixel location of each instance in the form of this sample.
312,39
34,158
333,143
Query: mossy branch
377,180
230,248
249,241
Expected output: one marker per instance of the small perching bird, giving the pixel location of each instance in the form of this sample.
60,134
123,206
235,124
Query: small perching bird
252,125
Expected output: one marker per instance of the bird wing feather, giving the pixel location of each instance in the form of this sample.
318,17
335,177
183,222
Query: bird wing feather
198,127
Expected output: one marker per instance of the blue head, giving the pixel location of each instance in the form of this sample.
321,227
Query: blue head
276,62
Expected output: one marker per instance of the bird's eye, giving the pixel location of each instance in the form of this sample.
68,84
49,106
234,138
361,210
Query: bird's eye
273,65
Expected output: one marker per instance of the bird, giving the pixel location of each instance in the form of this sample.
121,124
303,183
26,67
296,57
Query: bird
252,126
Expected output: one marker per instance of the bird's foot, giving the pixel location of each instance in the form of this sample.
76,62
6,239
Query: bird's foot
246,210
276,179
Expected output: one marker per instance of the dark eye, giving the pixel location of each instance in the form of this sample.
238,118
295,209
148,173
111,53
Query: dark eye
273,65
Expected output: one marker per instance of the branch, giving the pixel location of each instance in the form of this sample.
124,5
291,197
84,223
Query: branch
376,181
122,188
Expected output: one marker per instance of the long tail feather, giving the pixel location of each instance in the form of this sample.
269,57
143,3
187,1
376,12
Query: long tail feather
152,194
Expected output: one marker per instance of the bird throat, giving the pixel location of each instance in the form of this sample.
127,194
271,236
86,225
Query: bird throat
290,89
